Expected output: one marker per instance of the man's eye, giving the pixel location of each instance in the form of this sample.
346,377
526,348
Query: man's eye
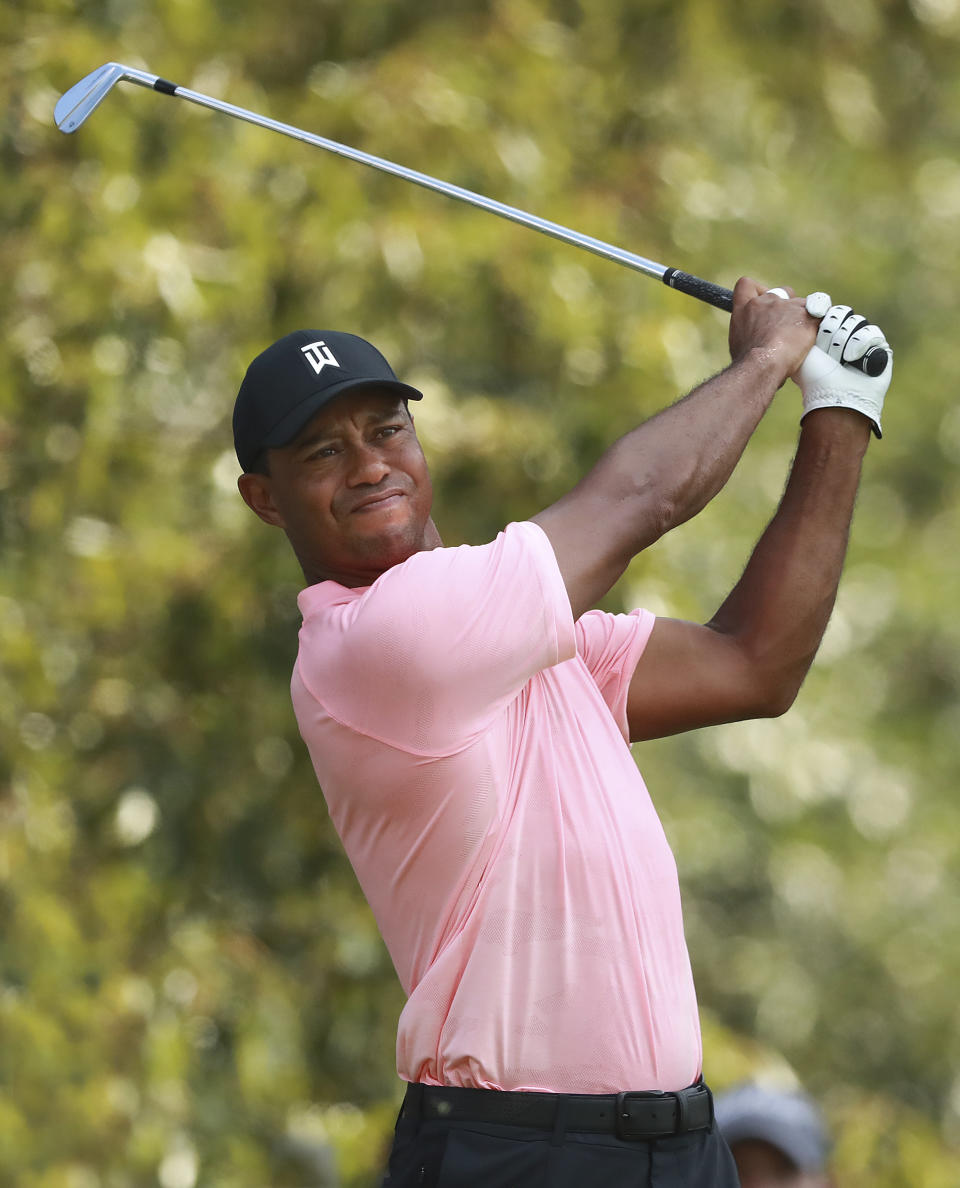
321,452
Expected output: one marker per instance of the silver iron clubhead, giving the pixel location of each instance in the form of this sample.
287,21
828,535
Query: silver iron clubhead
74,106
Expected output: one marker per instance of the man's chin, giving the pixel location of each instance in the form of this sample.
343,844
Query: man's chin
390,546
373,546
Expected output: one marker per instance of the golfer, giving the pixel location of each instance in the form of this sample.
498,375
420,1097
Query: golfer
468,716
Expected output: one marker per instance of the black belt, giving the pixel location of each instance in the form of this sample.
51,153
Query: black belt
650,1115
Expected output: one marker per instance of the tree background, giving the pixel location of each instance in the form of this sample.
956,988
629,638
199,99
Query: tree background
190,982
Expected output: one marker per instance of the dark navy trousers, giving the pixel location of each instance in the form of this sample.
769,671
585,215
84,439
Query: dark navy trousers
439,1154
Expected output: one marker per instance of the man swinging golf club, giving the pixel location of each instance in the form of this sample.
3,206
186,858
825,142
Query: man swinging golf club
468,713
468,716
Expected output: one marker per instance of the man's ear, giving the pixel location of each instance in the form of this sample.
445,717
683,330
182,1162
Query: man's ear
257,492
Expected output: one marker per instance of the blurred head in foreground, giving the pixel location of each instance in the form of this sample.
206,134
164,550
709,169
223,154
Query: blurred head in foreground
777,1137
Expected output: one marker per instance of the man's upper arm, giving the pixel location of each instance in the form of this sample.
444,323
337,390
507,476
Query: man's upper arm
571,526
689,676
610,645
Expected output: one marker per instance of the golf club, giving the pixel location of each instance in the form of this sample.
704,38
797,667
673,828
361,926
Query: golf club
75,106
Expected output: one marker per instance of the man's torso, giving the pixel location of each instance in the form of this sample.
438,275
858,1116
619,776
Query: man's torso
502,835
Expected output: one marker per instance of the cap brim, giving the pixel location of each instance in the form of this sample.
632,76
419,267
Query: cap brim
287,429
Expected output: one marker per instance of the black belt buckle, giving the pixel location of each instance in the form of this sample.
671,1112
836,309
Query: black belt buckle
645,1124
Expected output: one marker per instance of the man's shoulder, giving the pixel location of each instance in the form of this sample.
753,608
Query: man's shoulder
437,646
438,578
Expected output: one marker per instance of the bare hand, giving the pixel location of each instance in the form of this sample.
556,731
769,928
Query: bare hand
763,321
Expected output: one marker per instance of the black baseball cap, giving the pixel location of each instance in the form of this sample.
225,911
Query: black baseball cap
293,379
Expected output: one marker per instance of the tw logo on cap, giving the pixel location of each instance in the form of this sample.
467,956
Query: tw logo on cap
318,355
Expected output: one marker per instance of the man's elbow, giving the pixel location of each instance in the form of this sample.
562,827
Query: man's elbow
778,703
655,516
763,684
777,694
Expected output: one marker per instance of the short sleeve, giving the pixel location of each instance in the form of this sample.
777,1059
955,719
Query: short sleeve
425,657
611,646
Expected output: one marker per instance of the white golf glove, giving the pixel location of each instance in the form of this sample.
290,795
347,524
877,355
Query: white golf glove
843,337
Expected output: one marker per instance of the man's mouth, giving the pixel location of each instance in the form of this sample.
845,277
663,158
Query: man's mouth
382,501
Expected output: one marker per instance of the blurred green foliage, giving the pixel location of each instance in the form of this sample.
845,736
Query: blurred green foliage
189,979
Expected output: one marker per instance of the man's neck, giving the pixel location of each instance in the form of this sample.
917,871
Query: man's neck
365,574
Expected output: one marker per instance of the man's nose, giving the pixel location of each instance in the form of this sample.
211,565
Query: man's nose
367,467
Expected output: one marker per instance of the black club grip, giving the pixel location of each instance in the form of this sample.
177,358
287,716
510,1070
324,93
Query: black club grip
873,363
703,290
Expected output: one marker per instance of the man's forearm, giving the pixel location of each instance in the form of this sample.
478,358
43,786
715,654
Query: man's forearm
665,471
682,457
779,609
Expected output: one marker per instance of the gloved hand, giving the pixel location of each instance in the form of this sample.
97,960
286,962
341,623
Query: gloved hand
825,382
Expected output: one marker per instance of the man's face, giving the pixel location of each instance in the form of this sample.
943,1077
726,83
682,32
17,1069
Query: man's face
762,1165
351,491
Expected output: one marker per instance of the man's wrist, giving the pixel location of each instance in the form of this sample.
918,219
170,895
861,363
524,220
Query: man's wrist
844,426
766,367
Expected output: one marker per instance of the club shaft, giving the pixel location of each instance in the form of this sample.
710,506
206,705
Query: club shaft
80,101
545,226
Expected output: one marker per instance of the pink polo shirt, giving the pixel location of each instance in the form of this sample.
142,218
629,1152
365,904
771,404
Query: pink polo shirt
471,742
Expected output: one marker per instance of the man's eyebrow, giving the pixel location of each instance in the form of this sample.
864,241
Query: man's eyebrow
309,439
389,414
324,434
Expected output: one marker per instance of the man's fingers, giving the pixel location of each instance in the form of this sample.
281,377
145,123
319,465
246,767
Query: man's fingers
839,324
745,290
845,335
818,304
861,341
844,332
832,319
